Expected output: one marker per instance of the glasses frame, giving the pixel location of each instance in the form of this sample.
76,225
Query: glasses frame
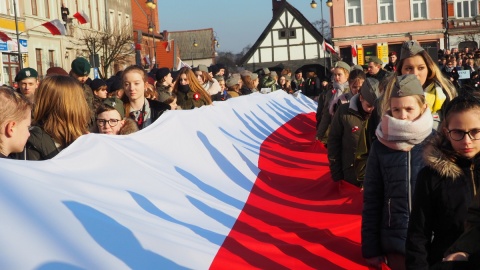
464,133
103,122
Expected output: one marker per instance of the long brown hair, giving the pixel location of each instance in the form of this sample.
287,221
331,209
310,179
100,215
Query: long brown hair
193,83
61,109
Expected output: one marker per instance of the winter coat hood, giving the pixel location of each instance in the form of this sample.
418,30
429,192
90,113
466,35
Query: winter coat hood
441,159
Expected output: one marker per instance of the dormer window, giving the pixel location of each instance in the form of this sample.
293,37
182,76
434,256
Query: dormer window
287,33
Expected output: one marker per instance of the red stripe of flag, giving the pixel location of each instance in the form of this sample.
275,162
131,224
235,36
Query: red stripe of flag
82,17
55,27
4,37
296,217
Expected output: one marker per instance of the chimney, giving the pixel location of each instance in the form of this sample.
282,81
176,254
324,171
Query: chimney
277,5
165,35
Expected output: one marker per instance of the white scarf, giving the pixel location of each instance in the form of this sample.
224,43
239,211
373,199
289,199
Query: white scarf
404,134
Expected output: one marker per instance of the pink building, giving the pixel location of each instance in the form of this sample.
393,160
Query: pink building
375,27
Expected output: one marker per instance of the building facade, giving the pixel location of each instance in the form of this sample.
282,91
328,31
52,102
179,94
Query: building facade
42,50
288,39
374,28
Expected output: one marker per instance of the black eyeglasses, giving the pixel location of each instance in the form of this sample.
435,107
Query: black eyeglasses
111,122
458,135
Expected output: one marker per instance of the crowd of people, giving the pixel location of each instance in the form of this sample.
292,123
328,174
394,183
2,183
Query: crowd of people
407,134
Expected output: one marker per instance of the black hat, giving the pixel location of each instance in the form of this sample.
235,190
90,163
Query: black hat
96,84
298,71
214,69
161,72
80,66
115,85
369,90
26,73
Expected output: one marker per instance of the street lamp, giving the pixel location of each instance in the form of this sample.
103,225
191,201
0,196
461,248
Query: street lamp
151,4
151,28
195,44
329,4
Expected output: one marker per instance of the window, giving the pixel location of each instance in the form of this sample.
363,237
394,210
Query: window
419,9
51,58
47,9
354,12
34,7
287,33
385,11
466,8
38,54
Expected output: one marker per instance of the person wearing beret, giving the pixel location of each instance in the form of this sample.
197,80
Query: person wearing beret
375,69
164,83
298,81
393,164
27,79
392,62
80,71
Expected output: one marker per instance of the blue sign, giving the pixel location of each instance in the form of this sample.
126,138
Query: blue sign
95,73
11,45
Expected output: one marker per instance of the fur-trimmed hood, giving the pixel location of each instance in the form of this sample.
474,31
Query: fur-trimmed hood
439,159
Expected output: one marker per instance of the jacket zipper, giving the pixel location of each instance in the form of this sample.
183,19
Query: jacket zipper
389,211
409,176
472,167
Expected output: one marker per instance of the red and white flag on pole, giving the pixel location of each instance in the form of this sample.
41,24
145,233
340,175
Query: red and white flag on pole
4,37
82,17
166,45
328,47
354,50
55,27
182,64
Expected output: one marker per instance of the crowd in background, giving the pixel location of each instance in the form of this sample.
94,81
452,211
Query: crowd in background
406,133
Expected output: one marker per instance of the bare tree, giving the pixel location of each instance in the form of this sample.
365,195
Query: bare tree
326,28
114,46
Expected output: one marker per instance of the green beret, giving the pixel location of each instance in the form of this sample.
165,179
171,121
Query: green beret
375,60
26,73
80,66
407,85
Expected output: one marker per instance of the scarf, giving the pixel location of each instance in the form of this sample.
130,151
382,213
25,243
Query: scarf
338,90
435,97
403,135
184,88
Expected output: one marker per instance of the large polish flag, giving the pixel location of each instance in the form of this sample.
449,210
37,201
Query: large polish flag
237,185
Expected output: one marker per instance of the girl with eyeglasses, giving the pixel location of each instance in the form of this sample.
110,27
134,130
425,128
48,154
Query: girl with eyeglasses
15,119
447,184
110,119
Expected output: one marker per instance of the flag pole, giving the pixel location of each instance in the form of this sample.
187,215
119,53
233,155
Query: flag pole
20,60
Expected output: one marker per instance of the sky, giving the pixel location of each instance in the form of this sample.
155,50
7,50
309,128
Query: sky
237,24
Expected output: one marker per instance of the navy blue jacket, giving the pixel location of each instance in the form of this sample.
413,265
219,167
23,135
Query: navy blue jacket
388,191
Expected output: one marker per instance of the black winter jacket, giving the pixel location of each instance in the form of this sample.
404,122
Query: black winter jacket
444,191
388,191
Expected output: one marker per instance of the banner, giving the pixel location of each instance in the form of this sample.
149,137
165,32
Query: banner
240,184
